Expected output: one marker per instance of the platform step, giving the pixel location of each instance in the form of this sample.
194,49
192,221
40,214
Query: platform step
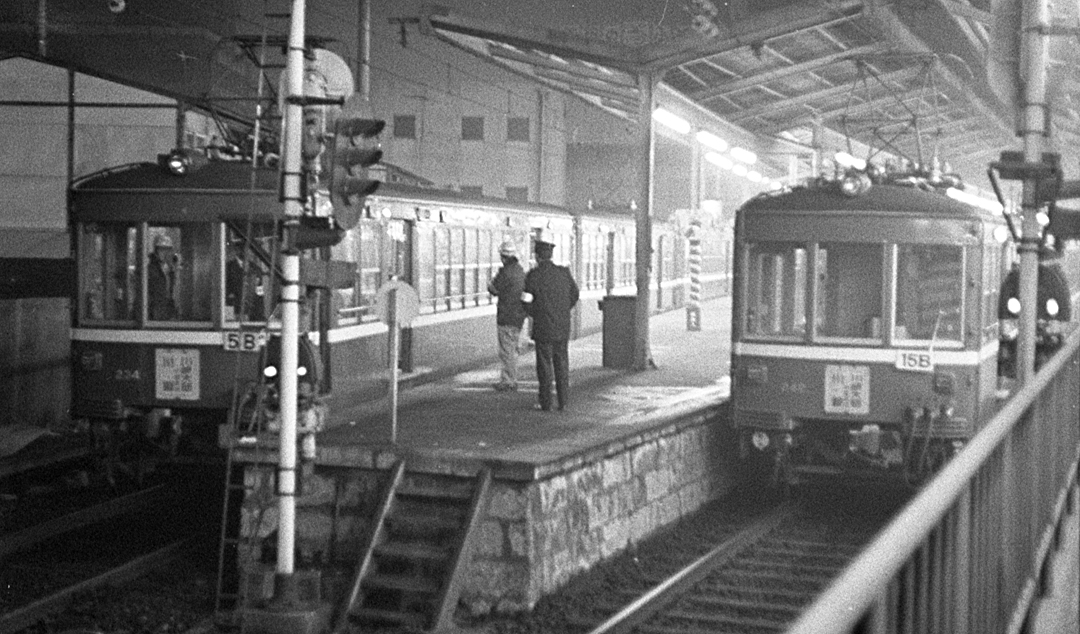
373,617
411,567
417,551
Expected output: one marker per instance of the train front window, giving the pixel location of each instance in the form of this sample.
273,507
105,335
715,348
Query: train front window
109,272
929,293
849,291
776,290
248,284
179,272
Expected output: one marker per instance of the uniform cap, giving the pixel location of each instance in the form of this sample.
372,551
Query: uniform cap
509,249
162,240
544,236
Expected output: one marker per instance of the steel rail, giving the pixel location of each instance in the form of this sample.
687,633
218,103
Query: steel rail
655,599
23,617
76,519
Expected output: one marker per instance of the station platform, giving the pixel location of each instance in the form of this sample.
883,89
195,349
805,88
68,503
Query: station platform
560,491
453,424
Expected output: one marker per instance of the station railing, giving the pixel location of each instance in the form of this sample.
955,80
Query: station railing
970,554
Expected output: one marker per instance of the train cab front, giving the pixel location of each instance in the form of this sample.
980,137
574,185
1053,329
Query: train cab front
862,342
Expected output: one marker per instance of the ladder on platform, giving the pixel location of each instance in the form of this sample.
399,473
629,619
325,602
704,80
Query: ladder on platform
419,544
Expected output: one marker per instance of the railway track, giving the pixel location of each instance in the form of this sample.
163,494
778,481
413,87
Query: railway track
35,610
757,580
53,563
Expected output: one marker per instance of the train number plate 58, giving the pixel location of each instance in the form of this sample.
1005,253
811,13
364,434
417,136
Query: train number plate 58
243,340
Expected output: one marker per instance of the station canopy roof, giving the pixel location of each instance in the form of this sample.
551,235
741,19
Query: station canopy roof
905,78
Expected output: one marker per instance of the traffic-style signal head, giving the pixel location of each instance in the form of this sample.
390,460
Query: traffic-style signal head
355,150
316,232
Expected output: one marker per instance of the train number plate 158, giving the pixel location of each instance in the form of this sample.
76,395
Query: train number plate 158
243,340
914,361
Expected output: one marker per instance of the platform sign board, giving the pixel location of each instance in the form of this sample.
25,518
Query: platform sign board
176,374
397,302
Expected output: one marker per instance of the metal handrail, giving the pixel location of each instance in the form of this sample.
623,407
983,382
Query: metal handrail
867,580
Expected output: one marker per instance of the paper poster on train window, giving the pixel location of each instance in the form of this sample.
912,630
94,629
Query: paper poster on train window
176,374
847,389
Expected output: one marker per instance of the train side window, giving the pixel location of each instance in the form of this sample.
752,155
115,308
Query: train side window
472,287
109,272
426,278
777,288
370,271
849,291
991,270
179,272
929,293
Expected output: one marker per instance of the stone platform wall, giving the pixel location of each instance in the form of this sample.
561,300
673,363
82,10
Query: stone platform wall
536,534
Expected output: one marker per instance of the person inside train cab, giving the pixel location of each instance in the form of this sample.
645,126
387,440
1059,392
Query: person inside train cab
161,279
508,285
550,294
244,288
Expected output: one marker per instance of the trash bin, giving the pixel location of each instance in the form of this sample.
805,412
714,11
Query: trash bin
618,326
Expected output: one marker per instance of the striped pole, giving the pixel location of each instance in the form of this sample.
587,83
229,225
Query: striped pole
693,304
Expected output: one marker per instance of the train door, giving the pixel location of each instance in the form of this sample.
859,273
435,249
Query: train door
398,256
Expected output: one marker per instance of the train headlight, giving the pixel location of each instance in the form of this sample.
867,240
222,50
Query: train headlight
301,371
270,371
1052,307
1013,305
854,183
760,440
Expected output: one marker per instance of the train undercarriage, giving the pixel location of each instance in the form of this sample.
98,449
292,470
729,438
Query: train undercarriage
902,453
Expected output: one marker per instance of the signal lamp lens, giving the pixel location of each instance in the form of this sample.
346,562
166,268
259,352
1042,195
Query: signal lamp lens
760,440
1013,305
301,371
270,371
1052,307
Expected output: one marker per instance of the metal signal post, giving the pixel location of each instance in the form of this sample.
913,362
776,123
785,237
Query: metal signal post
292,192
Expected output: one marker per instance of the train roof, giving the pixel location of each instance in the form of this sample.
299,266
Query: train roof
233,190
224,190
880,198
452,197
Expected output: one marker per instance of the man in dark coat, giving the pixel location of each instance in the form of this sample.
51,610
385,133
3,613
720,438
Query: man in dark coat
550,294
161,283
508,285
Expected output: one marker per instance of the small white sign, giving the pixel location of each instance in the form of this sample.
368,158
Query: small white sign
176,374
847,389
914,360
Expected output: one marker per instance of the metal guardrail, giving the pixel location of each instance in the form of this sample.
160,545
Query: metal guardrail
969,553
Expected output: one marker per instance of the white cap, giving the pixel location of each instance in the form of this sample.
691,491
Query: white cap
162,240
509,249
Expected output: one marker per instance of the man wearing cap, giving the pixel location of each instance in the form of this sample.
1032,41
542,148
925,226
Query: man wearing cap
507,285
550,294
161,279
